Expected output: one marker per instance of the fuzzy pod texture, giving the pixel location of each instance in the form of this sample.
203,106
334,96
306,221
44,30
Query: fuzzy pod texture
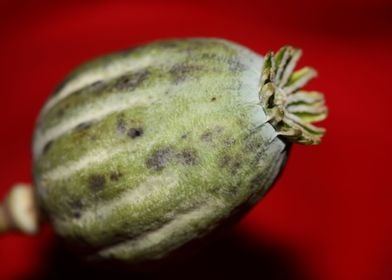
139,152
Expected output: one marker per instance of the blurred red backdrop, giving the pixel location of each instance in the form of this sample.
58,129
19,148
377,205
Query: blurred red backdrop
329,214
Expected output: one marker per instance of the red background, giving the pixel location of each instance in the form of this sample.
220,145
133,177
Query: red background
328,216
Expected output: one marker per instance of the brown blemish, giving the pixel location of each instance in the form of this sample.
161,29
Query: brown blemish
209,56
132,81
187,157
47,147
135,132
253,144
123,128
229,141
255,184
115,176
206,136
235,66
76,208
213,99
121,125
96,182
97,85
181,72
256,148
76,214
209,134
231,190
225,161
159,159
60,112
233,164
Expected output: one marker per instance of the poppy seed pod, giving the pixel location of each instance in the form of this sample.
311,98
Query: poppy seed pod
140,152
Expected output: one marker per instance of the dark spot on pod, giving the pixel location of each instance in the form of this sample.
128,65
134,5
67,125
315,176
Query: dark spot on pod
182,71
255,185
235,66
253,144
184,136
213,99
233,190
159,159
97,85
135,132
229,141
132,81
47,147
76,208
257,148
187,157
115,176
123,128
233,164
76,214
225,161
209,56
96,182
208,135
83,126
60,112
121,125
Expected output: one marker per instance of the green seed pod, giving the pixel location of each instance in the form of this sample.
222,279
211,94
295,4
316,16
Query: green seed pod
142,151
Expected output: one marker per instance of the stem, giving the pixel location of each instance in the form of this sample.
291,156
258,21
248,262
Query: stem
19,211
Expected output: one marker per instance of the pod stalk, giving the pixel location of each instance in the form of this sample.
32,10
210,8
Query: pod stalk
19,212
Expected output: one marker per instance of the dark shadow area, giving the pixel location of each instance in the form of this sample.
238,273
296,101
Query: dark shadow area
227,256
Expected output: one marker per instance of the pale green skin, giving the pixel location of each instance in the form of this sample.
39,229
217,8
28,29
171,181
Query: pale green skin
205,151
